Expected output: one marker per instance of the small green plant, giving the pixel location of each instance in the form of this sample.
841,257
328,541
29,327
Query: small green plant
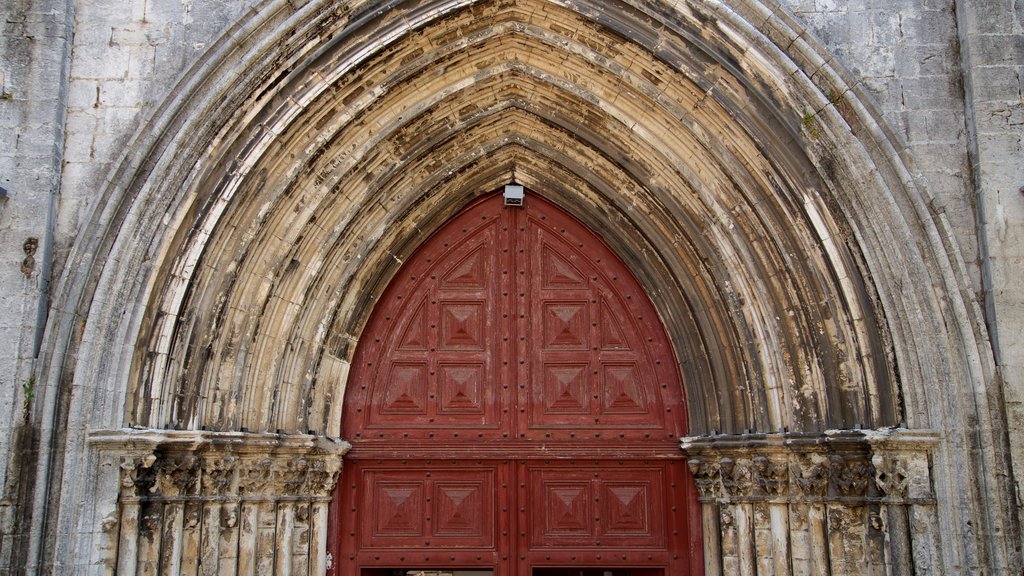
810,124
28,388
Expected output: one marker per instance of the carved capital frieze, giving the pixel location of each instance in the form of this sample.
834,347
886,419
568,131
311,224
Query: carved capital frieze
186,466
902,465
850,466
737,478
705,477
810,474
771,476
850,474
892,476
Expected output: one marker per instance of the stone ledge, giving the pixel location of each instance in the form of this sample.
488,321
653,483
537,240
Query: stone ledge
889,465
202,466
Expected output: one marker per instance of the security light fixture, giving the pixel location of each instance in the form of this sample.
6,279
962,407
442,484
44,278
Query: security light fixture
514,195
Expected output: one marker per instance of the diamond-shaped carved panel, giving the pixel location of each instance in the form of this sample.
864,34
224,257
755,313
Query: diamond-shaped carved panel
613,337
624,390
405,389
458,509
567,509
627,509
415,334
461,389
462,326
565,389
565,326
397,509
558,273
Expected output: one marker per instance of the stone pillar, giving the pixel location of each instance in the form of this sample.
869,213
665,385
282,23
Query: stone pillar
840,503
225,503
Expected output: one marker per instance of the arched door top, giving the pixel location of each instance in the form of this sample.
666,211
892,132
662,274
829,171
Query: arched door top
514,325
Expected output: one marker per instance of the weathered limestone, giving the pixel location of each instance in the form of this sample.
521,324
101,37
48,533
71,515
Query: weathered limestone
796,182
846,502
215,503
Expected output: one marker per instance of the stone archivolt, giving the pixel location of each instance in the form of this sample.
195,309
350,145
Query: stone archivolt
243,240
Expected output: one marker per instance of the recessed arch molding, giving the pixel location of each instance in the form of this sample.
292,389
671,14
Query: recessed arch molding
240,246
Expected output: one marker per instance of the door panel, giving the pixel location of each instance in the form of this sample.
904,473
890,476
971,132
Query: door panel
514,406
425,506
583,506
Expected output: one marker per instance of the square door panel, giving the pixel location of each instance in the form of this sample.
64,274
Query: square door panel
418,506
596,506
462,326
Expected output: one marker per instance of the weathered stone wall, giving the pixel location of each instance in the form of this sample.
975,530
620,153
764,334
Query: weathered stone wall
92,127
35,49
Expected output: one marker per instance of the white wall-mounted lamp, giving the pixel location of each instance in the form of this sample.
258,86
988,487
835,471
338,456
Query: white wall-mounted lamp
514,195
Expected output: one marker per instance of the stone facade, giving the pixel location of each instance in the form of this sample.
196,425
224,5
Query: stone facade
202,200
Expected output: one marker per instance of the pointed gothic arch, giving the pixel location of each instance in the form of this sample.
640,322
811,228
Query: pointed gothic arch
235,254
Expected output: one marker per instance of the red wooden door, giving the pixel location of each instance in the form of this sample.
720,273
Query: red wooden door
514,405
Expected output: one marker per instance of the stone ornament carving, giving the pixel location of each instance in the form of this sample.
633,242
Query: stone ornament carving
892,477
195,499
840,502
218,473
705,477
811,476
809,468
737,478
771,477
850,474
224,466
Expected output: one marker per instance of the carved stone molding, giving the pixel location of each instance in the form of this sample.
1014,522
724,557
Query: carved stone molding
705,477
840,502
838,466
192,500
222,466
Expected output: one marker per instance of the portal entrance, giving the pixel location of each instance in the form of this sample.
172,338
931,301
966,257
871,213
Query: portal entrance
514,406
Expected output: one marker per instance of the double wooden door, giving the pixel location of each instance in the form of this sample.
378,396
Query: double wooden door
514,405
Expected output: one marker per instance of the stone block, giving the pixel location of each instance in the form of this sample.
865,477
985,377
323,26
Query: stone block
798,6
928,27
945,125
997,49
109,146
82,93
78,137
998,83
830,6
871,60
994,16
142,65
120,93
938,92
915,125
99,61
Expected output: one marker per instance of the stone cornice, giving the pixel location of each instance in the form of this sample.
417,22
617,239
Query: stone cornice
172,465
848,466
